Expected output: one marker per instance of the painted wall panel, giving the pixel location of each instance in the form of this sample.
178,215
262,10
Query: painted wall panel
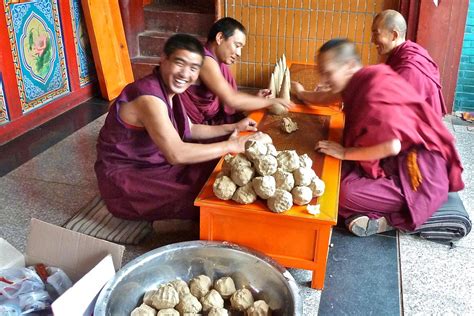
38,52
4,118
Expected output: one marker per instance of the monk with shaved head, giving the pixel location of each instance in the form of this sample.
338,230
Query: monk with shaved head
407,58
400,161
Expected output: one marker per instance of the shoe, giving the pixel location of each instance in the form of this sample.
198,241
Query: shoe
363,226
166,226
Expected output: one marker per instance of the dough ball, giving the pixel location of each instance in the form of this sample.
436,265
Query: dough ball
148,296
271,150
245,194
218,312
239,160
303,176
189,304
168,312
264,186
212,299
284,180
317,186
305,161
224,188
301,195
288,160
200,285
227,164
225,286
266,165
144,310
255,149
165,297
287,125
259,308
281,201
241,174
241,299
180,286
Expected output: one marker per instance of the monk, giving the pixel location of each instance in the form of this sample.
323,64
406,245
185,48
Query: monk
148,167
400,161
214,98
408,59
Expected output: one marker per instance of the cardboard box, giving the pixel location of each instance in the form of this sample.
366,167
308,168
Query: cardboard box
89,262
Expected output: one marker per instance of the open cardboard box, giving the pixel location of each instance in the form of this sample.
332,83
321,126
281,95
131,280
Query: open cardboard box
89,262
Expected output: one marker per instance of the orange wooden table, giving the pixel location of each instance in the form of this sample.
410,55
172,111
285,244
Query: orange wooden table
294,238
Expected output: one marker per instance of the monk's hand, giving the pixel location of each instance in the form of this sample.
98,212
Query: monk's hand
246,124
238,142
287,104
296,88
264,93
331,148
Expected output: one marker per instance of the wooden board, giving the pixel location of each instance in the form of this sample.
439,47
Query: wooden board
109,46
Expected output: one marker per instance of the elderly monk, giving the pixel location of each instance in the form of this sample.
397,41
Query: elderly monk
147,167
400,161
408,59
214,99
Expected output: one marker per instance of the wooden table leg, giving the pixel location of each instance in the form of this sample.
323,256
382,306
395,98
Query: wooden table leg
321,257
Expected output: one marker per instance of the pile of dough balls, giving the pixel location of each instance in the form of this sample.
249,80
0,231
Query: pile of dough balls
282,178
199,296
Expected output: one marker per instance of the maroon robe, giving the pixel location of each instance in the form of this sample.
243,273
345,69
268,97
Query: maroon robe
412,62
379,106
135,179
203,106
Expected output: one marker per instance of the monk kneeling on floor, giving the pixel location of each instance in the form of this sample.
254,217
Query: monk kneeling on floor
400,161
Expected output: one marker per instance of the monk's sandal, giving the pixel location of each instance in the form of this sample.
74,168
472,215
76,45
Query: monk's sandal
363,226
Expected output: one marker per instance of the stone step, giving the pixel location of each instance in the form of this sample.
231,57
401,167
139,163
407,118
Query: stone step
151,43
143,66
178,19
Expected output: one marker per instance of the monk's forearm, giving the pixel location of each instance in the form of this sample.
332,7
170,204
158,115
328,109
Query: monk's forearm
241,101
191,153
199,132
380,151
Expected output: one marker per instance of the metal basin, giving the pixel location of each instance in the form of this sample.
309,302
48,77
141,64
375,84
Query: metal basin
264,277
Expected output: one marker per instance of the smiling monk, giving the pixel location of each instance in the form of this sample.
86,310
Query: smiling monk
147,167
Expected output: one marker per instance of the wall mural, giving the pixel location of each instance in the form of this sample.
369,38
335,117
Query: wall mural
3,104
81,39
38,52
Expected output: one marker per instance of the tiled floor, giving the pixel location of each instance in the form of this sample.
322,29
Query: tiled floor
381,275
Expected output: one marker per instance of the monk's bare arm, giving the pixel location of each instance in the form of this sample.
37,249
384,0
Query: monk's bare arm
314,97
212,77
153,115
199,131
379,151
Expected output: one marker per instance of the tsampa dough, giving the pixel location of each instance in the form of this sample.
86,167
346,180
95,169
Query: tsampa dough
305,161
227,164
238,160
287,125
255,149
264,186
168,312
281,201
212,299
241,299
317,186
266,165
245,194
271,150
225,286
259,308
144,310
224,188
301,195
242,175
218,312
165,297
180,286
148,296
189,304
288,160
303,176
200,285
284,180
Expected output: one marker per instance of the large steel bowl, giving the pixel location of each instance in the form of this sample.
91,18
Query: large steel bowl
265,278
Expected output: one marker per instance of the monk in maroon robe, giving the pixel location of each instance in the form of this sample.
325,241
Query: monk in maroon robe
214,98
400,161
147,167
408,59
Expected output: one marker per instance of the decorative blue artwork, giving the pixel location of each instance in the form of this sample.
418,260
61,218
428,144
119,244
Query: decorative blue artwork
81,40
38,51
3,105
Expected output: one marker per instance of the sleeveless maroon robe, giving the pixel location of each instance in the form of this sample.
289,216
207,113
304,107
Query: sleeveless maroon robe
203,106
379,105
135,179
414,64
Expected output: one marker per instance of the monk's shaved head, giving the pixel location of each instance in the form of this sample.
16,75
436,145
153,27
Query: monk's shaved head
392,20
342,50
